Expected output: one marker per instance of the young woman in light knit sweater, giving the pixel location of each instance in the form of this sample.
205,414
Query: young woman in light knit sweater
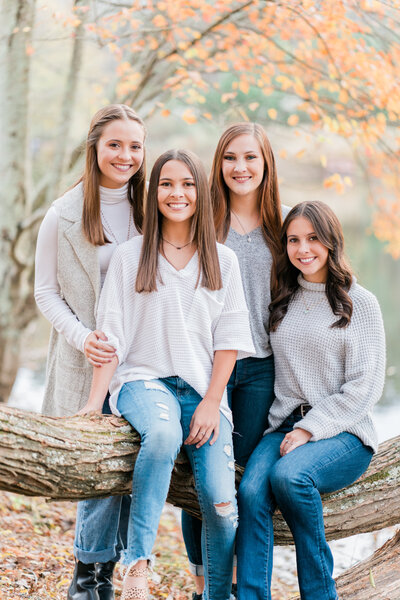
248,219
78,235
173,307
328,341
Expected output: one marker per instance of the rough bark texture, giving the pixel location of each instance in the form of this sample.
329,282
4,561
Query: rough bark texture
81,457
377,578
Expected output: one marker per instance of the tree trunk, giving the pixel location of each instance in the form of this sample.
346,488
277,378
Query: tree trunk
17,20
67,108
83,457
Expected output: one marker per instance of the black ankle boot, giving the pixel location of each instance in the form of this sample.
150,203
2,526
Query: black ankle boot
83,585
104,575
197,596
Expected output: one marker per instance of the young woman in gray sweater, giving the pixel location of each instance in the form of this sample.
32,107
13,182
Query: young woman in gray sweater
328,341
248,219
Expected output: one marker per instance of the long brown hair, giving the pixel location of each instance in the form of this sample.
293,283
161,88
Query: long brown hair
268,194
91,217
202,227
284,274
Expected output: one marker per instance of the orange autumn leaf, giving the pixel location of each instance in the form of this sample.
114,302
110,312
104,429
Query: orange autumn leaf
293,120
160,21
189,117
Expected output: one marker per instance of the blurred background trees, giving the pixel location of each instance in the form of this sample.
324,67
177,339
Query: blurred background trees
321,76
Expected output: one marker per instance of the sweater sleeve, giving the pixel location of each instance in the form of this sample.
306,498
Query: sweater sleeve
232,330
48,295
110,313
364,376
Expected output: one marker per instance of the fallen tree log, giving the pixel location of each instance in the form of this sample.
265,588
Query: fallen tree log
376,578
83,457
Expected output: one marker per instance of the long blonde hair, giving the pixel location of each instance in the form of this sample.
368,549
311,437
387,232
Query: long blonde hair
268,195
91,217
202,227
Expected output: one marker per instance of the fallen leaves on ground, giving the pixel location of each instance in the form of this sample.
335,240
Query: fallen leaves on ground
36,559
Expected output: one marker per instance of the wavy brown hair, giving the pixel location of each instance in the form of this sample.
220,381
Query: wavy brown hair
284,274
202,227
91,216
268,194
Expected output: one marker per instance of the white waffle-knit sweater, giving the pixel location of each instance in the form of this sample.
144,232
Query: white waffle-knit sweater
339,371
177,329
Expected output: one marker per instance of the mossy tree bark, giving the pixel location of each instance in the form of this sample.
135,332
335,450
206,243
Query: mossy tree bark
82,457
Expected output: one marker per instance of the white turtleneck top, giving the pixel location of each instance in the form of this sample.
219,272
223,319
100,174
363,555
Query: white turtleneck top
117,219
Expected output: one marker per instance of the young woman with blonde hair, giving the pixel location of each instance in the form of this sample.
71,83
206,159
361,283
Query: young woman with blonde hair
76,240
248,218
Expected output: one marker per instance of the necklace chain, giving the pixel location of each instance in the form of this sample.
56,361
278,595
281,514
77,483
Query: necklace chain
107,226
308,308
177,247
247,233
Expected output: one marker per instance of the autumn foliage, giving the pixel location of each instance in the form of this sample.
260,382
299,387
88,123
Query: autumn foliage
338,60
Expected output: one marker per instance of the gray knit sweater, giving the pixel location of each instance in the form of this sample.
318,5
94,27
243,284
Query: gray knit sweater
339,371
255,261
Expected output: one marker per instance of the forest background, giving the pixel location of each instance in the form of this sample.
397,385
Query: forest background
320,76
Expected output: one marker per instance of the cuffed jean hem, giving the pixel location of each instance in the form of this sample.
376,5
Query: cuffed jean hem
101,556
198,570
128,562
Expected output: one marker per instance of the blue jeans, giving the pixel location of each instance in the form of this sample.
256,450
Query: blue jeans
101,544
294,483
161,411
250,395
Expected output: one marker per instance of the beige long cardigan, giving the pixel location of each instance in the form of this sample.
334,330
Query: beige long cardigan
69,374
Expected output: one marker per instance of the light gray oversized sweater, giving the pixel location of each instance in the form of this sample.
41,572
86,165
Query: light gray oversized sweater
339,371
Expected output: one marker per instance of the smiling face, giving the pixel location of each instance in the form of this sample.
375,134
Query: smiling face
120,152
176,192
243,166
306,252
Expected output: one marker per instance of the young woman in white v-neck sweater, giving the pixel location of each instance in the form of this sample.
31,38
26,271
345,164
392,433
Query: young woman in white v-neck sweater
75,243
173,307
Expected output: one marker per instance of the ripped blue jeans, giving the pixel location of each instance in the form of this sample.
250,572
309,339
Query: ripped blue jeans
161,411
